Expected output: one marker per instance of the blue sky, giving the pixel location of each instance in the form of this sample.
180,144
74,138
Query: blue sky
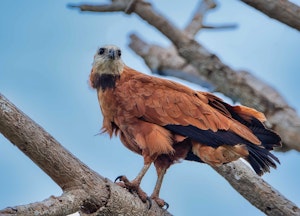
45,59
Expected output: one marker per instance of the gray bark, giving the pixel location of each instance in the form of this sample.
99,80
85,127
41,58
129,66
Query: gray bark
84,190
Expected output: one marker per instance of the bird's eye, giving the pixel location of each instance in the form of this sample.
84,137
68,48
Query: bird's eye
101,51
119,53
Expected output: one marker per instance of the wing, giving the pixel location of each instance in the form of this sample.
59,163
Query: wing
220,132
200,116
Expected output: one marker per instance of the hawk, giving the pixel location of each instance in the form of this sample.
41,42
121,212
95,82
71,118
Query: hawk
165,122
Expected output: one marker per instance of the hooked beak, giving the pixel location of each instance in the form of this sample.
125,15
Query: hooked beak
111,54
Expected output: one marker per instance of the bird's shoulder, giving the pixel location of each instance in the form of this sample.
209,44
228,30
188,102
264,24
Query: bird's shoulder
167,102
138,83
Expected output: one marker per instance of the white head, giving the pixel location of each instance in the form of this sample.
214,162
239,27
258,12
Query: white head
107,60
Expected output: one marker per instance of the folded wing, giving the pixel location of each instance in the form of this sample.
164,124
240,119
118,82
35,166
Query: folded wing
209,122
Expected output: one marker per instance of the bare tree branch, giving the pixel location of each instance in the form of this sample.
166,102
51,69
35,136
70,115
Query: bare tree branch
100,195
219,27
68,203
103,8
281,10
197,21
166,62
240,86
257,191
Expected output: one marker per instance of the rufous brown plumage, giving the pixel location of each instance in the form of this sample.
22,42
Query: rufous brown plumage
165,121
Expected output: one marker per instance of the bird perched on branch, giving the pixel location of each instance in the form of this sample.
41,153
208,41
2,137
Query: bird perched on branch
166,122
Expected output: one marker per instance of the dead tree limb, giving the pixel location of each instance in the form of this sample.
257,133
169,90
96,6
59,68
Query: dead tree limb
281,10
65,204
258,192
197,20
83,189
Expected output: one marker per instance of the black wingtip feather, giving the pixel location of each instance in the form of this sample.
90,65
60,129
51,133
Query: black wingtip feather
268,137
261,159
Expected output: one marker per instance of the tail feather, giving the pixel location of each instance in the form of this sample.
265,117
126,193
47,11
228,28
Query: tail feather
259,155
261,159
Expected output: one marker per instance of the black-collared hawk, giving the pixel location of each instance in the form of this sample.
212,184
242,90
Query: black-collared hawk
165,122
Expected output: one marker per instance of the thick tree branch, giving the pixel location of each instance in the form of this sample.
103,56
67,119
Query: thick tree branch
240,86
258,192
281,10
101,195
68,203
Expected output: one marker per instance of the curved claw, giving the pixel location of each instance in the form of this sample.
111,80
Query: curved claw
150,202
167,205
160,202
133,186
118,178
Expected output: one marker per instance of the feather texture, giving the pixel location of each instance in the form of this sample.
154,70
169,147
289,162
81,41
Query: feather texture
154,114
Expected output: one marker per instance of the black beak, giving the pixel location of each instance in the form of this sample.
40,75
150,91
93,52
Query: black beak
111,54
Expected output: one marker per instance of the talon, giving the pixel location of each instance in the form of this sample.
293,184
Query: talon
133,187
118,178
121,184
122,178
123,181
160,202
167,205
150,202
142,195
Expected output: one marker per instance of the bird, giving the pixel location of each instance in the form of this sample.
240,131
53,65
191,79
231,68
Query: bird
166,122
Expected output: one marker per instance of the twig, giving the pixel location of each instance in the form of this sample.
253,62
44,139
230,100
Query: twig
218,27
197,21
103,8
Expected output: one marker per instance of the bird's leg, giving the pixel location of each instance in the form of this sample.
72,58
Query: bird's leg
155,195
141,174
134,185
